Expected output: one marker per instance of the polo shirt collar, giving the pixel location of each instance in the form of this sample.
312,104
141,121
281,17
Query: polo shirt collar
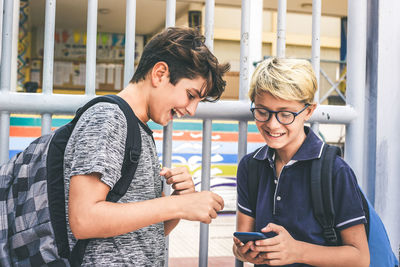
310,149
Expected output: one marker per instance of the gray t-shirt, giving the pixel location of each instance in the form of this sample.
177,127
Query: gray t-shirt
97,145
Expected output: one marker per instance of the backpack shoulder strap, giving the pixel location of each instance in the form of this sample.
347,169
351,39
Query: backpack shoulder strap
133,147
131,159
253,179
322,192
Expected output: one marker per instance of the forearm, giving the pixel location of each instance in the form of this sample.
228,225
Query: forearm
170,225
106,219
332,256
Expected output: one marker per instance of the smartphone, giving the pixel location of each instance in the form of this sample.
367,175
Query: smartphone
250,236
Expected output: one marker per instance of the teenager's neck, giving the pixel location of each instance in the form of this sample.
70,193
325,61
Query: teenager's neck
285,154
137,95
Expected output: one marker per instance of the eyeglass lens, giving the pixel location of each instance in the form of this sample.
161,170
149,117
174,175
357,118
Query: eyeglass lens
283,117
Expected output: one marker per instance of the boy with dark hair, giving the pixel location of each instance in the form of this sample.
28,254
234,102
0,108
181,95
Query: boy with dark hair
175,73
282,94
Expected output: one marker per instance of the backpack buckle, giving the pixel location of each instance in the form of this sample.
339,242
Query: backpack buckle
134,156
330,236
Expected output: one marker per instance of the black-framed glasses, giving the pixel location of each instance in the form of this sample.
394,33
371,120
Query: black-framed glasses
283,117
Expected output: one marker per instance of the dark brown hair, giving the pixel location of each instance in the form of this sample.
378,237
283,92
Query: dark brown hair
187,56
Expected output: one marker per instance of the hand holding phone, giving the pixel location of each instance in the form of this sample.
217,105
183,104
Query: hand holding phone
252,236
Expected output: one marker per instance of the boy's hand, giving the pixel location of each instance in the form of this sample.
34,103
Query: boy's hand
200,206
180,179
244,252
282,249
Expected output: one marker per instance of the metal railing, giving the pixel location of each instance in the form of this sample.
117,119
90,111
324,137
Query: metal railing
47,103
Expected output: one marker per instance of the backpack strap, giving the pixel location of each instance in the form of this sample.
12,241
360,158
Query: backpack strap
253,179
131,159
133,147
322,192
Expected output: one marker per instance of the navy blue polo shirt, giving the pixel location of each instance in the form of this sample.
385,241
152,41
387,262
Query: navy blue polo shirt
286,200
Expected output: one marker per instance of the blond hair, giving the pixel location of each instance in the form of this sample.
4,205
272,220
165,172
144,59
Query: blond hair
284,78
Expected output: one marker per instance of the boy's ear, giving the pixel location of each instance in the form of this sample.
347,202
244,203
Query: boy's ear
309,111
159,73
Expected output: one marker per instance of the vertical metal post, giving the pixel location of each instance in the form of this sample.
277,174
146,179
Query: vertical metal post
48,59
371,95
91,46
1,23
242,142
130,35
4,136
388,114
355,92
170,15
167,130
6,48
251,37
206,144
167,162
244,50
48,56
205,185
14,53
281,31
209,24
316,50
5,77
255,37
244,79
46,123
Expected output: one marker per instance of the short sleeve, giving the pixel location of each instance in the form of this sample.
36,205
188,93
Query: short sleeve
97,143
347,199
242,187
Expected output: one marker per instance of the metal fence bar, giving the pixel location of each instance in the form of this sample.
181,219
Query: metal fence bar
387,116
130,35
91,46
167,162
5,77
371,117
316,50
14,54
244,49
167,130
48,59
170,13
1,22
206,144
251,37
281,31
48,56
355,93
46,123
205,185
225,110
4,134
209,24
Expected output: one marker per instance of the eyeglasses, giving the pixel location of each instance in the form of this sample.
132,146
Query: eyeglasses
283,117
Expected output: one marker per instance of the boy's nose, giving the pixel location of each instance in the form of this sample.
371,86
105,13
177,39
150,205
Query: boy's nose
273,122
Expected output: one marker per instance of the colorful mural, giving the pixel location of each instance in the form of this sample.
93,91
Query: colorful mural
24,41
186,148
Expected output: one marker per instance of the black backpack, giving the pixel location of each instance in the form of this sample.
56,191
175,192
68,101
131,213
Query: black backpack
33,229
381,253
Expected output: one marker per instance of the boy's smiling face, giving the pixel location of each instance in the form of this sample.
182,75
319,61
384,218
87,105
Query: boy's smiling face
175,100
282,138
